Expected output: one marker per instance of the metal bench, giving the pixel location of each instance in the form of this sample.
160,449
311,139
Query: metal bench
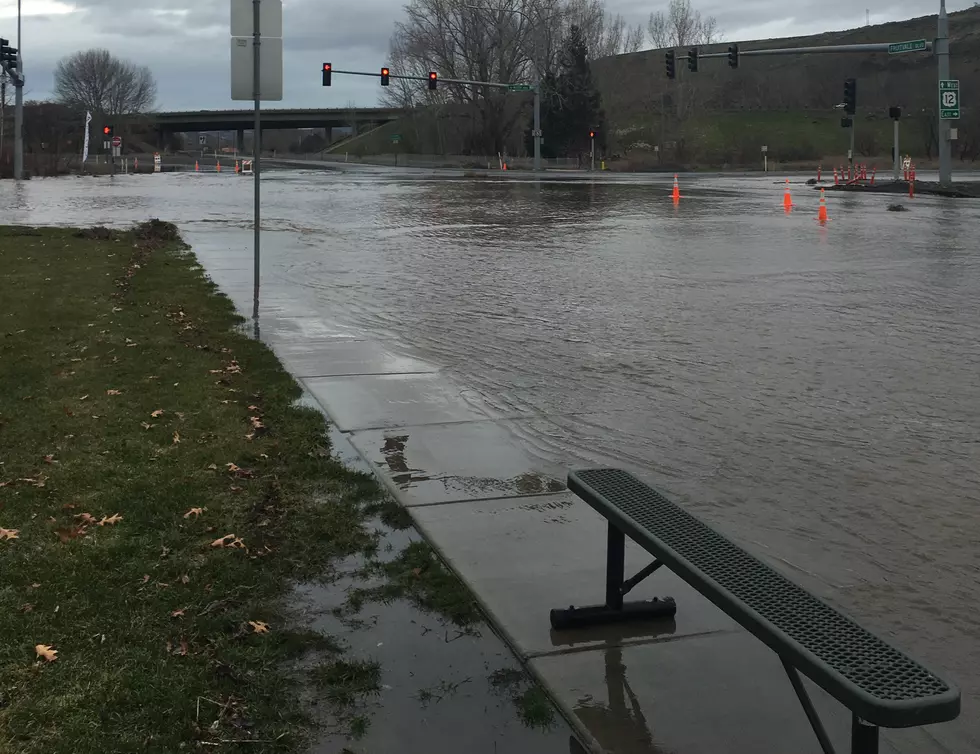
879,684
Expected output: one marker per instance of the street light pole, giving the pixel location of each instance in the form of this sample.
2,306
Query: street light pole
19,107
942,57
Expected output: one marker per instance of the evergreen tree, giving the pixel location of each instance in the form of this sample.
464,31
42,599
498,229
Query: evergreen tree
570,103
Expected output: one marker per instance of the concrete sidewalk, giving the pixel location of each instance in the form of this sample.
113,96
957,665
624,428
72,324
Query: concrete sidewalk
495,506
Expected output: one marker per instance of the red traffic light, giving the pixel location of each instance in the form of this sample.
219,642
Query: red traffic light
591,134
326,66
384,71
106,130
433,78
385,76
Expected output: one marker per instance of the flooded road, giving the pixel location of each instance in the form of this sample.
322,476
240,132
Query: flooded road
814,391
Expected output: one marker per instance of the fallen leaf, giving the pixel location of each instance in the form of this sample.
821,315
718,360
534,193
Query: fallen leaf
65,534
224,541
233,468
259,627
176,438
48,653
213,466
8,534
113,392
144,425
253,408
86,518
177,613
111,520
185,579
157,413
194,512
146,577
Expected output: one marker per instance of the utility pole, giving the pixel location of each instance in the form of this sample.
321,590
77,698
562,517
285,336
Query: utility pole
942,56
19,107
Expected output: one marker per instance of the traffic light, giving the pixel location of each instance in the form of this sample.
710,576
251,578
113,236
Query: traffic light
591,134
895,113
671,64
850,96
433,80
327,70
385,73
8,55
692,59
733,56
107,130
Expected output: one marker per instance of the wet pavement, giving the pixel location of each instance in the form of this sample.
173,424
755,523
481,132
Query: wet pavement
810,390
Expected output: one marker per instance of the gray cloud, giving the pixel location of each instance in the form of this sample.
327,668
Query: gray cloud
185,42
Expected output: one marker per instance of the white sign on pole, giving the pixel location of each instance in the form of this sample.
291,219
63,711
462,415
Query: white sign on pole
202,139
157,164
243,16
242,65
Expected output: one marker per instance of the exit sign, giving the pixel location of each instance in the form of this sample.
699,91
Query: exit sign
916,45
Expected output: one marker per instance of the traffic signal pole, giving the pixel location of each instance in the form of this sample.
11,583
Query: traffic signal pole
942,58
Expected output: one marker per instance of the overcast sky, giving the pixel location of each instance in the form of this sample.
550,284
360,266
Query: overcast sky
186,42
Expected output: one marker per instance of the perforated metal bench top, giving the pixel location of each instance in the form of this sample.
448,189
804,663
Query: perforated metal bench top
869,676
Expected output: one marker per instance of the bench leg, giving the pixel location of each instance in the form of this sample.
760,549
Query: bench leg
864,737
615,610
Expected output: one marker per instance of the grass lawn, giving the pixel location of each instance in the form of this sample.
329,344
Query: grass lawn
159,492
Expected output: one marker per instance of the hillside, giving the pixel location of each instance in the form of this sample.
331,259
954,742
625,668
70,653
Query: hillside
721,115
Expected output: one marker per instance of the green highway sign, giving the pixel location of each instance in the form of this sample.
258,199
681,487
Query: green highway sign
949,99
916,45
519,87
395,138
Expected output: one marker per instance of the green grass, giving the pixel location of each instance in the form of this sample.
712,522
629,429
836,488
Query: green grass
126,390
418,575
532,704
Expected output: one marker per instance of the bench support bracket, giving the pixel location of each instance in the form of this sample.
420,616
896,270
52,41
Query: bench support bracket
811,713
616,610
864,737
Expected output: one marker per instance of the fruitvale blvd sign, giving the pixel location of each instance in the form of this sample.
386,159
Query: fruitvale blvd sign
916,45
949,99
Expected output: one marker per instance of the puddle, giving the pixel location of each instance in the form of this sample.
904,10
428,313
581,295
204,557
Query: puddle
429,684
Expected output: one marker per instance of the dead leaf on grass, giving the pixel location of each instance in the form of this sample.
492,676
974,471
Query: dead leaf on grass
185,579
158,413
177,613
259,627
213,466
86,518
46,652
110,520
113,392
176,438
8,534
66,534
194,512
224,541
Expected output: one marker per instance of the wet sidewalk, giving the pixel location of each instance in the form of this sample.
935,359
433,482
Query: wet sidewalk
495,507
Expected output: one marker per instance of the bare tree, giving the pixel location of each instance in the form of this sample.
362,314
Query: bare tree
96,80
681,26
605,34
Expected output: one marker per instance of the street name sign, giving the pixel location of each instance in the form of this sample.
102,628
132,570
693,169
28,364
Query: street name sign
949,99
519,87
915,45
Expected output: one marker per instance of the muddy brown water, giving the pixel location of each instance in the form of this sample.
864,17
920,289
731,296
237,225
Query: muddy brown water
812,390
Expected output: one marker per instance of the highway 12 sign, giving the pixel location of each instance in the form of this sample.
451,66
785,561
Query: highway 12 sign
949,99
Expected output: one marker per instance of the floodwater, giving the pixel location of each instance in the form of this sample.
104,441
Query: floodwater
813,390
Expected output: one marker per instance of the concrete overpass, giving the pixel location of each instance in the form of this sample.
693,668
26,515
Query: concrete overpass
242,120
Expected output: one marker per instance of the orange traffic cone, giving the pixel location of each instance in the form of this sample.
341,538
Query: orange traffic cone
219,167
237,168
676,193
787,199
197,167
822,214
